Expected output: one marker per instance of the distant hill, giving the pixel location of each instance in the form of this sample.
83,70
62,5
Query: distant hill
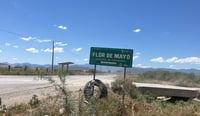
137,70
24,64
134,70
79,67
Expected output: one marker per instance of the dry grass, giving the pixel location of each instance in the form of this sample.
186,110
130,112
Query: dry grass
110,106
135,104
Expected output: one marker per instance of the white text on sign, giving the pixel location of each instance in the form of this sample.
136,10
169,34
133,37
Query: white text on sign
111,55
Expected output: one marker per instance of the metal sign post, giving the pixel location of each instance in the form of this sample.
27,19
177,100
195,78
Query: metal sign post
123,96
94,72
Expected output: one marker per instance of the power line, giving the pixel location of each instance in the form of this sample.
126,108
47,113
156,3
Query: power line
13,33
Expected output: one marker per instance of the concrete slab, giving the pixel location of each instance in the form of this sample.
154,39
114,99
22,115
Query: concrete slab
167,90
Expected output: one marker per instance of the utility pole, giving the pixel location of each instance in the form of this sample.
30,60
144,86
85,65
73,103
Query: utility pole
52,64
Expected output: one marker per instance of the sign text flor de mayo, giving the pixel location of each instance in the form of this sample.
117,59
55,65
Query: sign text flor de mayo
111,57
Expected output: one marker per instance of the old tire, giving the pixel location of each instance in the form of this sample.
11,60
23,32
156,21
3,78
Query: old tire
89,89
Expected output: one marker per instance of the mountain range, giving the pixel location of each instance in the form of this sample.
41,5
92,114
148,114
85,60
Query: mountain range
134,70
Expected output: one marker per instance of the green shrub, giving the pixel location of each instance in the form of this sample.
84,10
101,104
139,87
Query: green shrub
118,86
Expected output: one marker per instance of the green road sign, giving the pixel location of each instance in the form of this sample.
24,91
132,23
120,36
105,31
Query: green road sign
111,57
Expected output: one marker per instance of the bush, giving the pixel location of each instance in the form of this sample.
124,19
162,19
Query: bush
129,88
117,86
175,78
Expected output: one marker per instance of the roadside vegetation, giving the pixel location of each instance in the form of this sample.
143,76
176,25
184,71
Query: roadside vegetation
166,77
73,103
25,70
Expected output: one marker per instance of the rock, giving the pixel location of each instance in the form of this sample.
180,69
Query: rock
62,110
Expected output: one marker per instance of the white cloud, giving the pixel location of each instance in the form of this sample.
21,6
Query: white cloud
1,51
77,49
85,59
142,66
46,50
56,50
15,46
14,59
159,59
171,60
43,41
60,44
137,53
62,27
7,44
27,38
137,30
135,57
32,50
35,39
191,60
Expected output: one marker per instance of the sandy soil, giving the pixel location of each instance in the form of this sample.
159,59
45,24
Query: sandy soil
19,89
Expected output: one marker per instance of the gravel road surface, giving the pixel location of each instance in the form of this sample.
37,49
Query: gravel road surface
19,89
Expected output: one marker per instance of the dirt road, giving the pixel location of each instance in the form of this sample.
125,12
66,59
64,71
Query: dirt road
19,89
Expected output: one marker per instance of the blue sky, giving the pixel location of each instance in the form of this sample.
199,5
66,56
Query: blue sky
162,33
